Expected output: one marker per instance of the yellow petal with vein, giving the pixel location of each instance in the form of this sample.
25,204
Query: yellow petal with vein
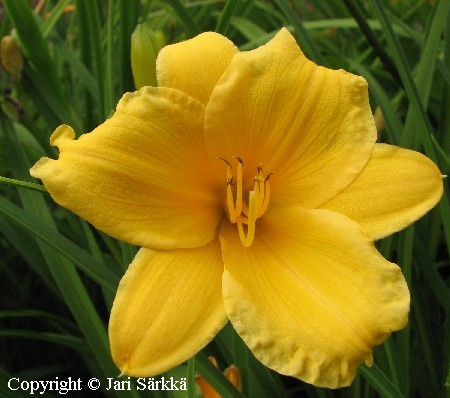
396,187
168,307
312,296
143,175
194,66
310,125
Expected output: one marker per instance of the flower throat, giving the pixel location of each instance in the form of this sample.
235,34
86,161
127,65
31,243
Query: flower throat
241,213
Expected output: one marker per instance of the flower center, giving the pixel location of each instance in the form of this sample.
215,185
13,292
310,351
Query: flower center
241,213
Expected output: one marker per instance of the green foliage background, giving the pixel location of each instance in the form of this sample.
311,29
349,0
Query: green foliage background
58,275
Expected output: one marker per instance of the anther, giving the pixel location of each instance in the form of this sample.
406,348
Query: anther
239,160
268,176
226,161
259,168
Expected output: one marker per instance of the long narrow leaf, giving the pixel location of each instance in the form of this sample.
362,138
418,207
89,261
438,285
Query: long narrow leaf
87,264
375,376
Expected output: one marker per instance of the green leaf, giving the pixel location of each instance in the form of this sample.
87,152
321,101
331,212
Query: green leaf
66,248
376,377
184,17
36,50
225,17
305,40
54,16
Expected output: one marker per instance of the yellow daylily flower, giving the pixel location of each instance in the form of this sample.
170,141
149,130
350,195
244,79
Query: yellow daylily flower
254,185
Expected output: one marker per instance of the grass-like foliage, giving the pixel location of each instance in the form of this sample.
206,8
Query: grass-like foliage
58,275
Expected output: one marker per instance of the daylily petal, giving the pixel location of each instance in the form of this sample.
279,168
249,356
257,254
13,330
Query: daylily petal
143,175
396,187
194,66
168,307
311,297
310,125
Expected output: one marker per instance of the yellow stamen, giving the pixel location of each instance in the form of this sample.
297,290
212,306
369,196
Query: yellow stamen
247,239
266,197
265,202
230,204
258,201
239,185
260,191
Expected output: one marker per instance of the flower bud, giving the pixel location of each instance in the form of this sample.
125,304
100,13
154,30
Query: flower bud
145,46
232,373
11,57
379,121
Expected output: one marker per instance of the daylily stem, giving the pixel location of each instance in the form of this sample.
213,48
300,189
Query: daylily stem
23,184
191,377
